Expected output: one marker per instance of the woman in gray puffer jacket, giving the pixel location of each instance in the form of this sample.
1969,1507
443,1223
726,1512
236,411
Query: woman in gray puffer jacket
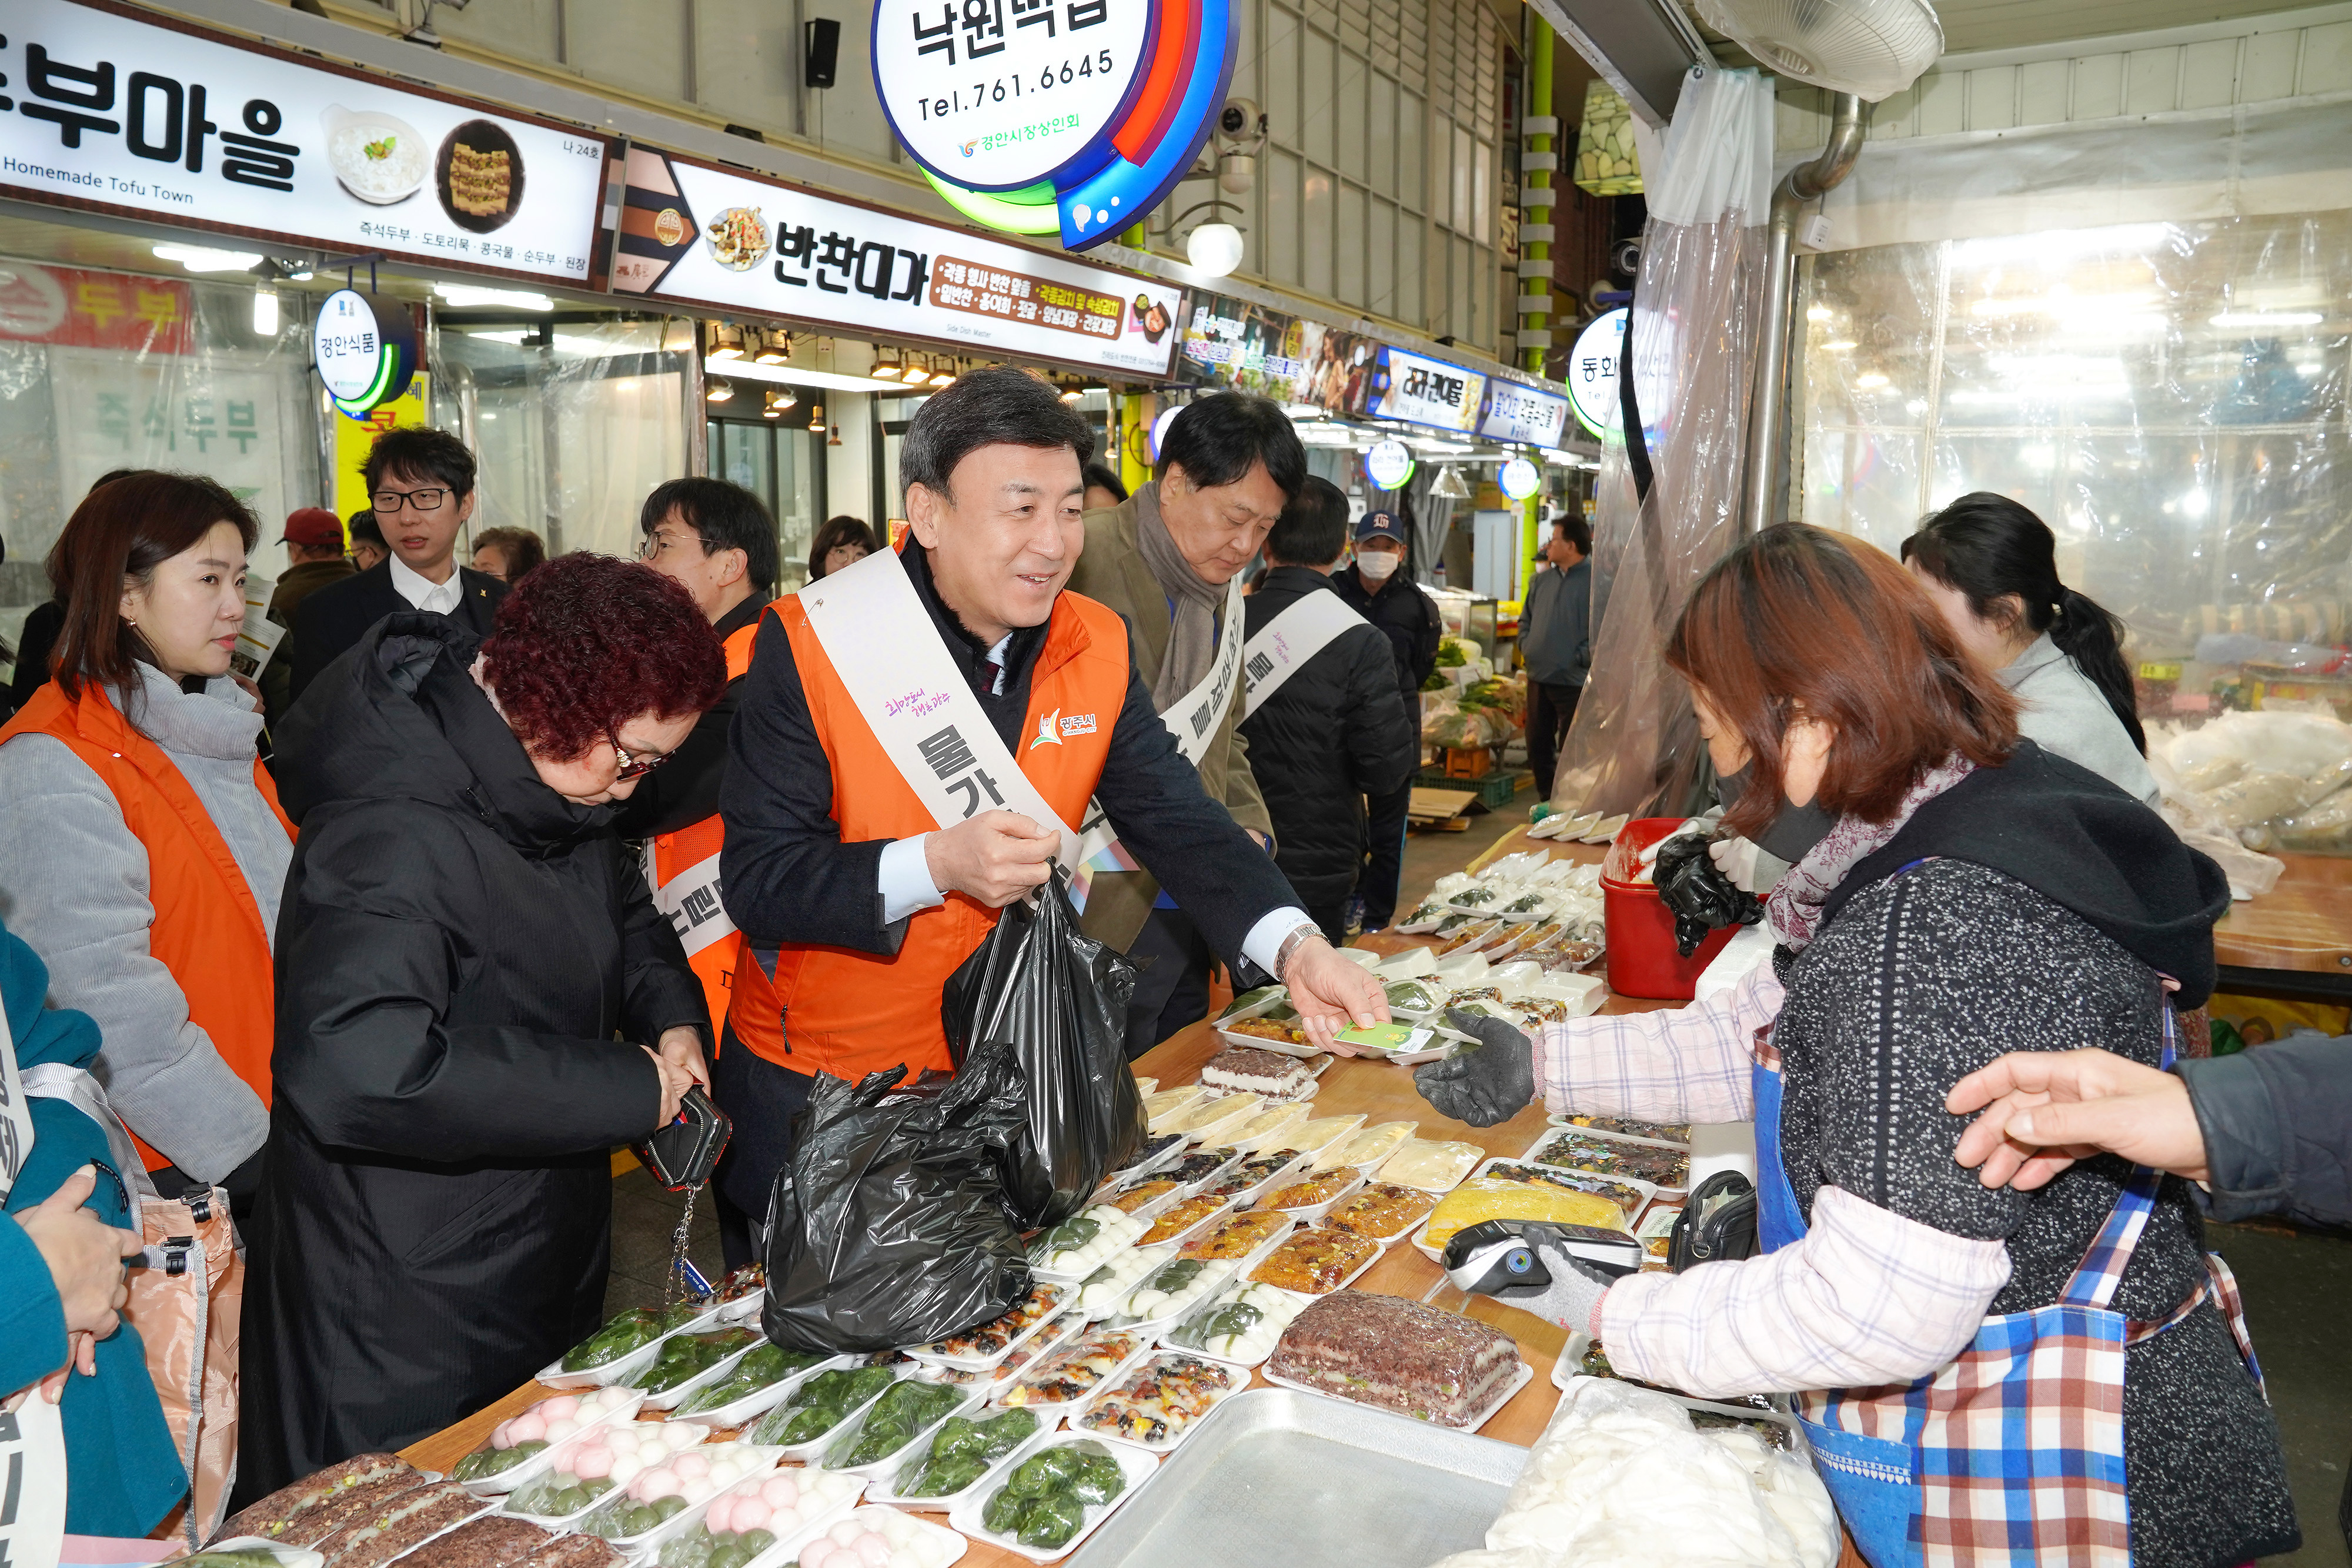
141,850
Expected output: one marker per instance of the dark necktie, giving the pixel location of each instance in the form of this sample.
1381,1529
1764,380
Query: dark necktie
989,672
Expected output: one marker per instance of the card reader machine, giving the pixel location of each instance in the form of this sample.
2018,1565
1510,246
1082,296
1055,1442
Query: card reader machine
1499,1256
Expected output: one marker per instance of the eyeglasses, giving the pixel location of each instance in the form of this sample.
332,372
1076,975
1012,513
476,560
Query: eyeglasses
420,500
636,767
656,543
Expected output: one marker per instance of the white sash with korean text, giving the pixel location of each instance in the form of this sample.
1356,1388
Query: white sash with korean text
920,707
691,902
1284,644
1193,719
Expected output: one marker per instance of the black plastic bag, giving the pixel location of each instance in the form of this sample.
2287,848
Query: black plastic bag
1700,897
890,1226
1059,998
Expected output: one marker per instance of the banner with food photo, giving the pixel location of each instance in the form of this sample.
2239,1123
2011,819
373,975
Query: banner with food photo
699,235
126,111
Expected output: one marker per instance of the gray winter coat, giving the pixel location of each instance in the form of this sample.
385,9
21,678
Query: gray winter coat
1556,626
74,885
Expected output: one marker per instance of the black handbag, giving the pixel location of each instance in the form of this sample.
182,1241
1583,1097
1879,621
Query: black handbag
1718,1222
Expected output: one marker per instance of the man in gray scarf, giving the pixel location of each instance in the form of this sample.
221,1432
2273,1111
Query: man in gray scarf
1163,559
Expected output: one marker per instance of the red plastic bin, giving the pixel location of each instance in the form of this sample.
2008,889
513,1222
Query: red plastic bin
1642,957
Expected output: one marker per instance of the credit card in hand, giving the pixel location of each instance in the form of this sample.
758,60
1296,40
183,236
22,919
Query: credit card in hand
1388,1037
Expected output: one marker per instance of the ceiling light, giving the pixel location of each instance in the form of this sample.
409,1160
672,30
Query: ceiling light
718,390
1215,249
775,347
204,259
785,398
265,313
1073,395
465,295
726,342
1817,312
887,365
2268,318
1870,382
1842,346
943,373
1450,484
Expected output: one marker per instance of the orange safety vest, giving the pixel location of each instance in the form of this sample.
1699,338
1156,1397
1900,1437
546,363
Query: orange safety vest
207,929
681,851
849,1013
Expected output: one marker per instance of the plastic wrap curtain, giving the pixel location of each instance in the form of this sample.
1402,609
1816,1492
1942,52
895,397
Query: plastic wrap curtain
106,369
1692,331
573,425
2170,397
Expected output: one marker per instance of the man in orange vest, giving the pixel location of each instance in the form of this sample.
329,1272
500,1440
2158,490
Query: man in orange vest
920,735
718,541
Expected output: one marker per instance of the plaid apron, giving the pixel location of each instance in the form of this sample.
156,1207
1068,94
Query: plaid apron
2014,1454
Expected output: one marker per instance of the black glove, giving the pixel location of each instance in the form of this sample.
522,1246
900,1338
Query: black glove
1699,896
1490,1080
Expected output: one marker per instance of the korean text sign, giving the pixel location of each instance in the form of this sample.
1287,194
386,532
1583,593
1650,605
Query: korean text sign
1426,392
105,108
708,237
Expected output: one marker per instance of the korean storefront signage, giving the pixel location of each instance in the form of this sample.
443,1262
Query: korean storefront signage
1592,374
1233,342
118,110
64,305
996,95
1421,390
365,349
706,236
1520,479
1085,113
1388,464
1523,413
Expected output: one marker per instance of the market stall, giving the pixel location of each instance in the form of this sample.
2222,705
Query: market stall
1402,1270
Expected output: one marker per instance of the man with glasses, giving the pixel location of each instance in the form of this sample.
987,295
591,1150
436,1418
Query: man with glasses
421,488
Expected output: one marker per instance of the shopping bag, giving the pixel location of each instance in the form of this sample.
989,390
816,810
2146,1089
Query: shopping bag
186,1299
1059,998
890,1226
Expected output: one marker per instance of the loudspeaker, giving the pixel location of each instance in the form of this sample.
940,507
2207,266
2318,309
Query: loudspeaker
823,52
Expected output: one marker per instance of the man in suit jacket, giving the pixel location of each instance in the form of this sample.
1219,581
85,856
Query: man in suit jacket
1162,558
421,486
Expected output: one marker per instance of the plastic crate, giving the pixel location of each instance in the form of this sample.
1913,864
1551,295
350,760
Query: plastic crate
1494,792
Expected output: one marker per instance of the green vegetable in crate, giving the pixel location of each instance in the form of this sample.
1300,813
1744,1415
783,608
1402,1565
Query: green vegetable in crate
1453,652
891,1425
484,1462
689,1356
1436,683
763,1368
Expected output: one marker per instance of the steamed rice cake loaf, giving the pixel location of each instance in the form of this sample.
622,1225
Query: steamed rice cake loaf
1268,1075
1401,1355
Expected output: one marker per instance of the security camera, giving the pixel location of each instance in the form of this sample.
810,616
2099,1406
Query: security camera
1240,121
1625,258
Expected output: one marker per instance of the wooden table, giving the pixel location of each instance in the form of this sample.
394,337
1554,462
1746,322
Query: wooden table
2295,941
1382,1092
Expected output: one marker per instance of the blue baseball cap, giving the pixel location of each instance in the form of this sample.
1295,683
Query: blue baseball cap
1380,525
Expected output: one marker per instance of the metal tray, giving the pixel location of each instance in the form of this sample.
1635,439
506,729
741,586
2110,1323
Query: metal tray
1253,1483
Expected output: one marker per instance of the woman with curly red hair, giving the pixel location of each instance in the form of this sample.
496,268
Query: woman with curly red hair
477,1000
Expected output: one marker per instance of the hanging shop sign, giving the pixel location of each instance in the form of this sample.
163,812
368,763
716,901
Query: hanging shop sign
1236,343
1421,390
1518,413
1520,479
64,305
364,347
115,110
1389,464
1068,117
1592,374
696,235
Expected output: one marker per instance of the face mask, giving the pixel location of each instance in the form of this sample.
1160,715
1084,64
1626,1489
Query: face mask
1378,566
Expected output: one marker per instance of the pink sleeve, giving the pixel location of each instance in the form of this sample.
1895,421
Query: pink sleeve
1681,1064
1866,1298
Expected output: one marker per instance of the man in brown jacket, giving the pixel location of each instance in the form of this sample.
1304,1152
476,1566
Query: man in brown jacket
1163,559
